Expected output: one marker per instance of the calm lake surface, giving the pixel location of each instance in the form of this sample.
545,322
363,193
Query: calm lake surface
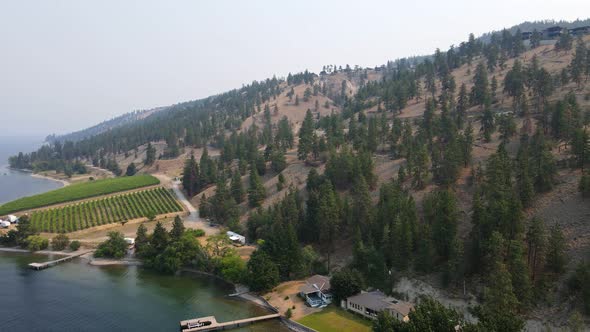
15,184
76,296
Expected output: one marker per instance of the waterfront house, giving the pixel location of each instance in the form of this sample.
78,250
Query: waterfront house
317,291
236,238
370,304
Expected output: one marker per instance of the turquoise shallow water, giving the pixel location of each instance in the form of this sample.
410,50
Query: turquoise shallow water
75,296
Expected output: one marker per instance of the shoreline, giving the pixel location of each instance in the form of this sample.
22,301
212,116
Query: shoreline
40,176
64,183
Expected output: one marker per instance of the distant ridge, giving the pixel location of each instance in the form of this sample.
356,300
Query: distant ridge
105,126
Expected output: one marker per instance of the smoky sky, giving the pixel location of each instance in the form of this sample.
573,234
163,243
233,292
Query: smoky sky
66,65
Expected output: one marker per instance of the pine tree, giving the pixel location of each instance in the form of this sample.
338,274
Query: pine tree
556,258
177,229
462,105
150,154
141,241
236,187
499,311
256,191
306,136
536,241
480,92
159,239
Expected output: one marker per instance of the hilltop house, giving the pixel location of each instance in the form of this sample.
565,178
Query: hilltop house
370,304
316,291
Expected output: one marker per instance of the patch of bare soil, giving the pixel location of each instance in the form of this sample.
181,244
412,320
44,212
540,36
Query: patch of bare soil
284,296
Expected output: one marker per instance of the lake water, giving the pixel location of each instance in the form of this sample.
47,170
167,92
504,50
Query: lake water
76,296
15,184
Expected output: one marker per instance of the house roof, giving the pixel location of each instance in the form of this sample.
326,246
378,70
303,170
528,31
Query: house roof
378,301
308,289
322,282
316,283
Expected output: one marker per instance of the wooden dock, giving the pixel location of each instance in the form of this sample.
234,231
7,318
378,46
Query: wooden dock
44,265
211,324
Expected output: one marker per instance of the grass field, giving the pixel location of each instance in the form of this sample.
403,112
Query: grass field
333,319
118,208
79,191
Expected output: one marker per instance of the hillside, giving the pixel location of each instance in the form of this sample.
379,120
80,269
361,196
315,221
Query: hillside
461,169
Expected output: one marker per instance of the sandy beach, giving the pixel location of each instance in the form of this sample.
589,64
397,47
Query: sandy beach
39,176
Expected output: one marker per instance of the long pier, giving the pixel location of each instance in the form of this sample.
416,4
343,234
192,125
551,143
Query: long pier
211,324
44,265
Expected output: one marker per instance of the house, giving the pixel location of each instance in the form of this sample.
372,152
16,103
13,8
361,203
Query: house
12,219
317,291
130,241
552,32
526,35
579,31
236,238
370,304
4,223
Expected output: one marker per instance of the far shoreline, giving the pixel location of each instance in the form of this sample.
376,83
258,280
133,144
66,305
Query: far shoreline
37,175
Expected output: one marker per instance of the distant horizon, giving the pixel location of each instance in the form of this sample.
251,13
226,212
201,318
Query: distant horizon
151,55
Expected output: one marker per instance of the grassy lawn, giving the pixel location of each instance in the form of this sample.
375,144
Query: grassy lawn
333,319
79,191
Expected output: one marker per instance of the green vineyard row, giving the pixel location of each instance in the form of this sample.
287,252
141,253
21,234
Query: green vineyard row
120,208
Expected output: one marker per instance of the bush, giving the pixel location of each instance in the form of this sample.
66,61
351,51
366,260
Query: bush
35,243
75,245
9,239
60,242
114,247
289,313
195,232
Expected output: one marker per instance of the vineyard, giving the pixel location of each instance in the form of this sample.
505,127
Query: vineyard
79,191
119,208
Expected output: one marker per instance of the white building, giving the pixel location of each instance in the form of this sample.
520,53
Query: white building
236,238
4,223
12,219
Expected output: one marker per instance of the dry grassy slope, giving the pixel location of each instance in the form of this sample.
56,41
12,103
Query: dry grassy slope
563,205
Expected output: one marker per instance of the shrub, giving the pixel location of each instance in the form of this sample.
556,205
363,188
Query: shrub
9,239
75,245
195,232
289,313
35,243
114,247
60,242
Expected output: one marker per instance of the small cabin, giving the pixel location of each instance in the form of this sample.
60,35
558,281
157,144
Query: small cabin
236,238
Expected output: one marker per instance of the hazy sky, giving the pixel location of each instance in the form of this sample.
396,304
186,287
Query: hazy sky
66,65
